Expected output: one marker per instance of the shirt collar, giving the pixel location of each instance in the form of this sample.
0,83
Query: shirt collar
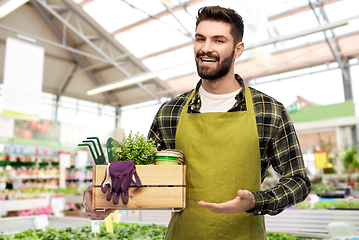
195,103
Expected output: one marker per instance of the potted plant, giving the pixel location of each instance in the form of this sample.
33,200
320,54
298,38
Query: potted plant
351,161
134,147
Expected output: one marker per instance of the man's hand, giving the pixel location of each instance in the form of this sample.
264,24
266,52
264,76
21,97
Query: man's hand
90,212
243,202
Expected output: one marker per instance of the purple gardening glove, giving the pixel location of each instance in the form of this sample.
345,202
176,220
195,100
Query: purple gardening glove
107,184
121,175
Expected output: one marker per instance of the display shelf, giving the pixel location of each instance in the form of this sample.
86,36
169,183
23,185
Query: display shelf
17,224
73,199
24,204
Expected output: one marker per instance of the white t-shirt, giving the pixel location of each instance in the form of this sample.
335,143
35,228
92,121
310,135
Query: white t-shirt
216,102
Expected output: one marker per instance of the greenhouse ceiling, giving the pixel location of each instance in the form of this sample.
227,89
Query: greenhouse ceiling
141,50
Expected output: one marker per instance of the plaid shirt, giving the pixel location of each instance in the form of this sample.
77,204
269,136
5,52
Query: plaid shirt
278,144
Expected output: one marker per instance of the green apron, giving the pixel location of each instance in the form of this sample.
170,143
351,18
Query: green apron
222,156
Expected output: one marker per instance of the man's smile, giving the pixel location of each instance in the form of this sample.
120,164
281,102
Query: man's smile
206,60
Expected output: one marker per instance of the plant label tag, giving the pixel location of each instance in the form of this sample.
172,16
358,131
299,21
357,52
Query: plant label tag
109,224
41,222
95,226
115,217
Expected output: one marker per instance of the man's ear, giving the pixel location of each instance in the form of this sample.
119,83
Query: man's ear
238,50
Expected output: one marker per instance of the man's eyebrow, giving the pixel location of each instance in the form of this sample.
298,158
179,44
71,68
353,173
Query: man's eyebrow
215,36
220,36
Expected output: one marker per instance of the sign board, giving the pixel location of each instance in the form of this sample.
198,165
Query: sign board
321,159
23,76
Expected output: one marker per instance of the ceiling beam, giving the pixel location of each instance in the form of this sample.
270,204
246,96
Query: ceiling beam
68,80
68,48
157,16
77,57
336,56
300,9
271,18
49,54
272,40
105,36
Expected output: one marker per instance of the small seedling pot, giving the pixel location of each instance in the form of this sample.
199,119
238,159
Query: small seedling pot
167,158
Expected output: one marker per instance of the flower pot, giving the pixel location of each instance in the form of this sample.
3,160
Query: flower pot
167,158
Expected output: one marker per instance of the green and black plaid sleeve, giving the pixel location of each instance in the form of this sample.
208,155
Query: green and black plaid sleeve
279,146
164,125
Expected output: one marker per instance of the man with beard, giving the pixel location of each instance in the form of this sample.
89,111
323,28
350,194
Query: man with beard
230,134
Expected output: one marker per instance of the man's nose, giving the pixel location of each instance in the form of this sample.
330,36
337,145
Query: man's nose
207,47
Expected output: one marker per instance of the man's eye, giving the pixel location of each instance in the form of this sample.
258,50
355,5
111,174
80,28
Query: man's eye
220,41
199,39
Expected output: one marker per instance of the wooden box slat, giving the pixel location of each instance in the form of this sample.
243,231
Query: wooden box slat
159,175
144,198
163,188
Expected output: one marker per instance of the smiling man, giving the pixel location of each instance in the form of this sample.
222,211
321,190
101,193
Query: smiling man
230,134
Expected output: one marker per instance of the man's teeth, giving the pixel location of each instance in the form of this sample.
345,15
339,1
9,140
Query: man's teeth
208,60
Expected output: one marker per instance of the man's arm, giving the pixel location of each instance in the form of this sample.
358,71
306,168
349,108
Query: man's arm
90,212
284,153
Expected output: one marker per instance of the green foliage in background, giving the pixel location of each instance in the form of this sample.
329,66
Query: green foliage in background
281,236
347,204
126,231
321,188
135,147
351,158
121,231
303,205
324,205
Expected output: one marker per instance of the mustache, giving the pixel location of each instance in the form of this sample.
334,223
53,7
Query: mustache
209,55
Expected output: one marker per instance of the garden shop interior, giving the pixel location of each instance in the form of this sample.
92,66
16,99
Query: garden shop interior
80,72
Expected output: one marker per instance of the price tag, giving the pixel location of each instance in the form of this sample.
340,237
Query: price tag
65,160
58,205
109,224
41,222
81,159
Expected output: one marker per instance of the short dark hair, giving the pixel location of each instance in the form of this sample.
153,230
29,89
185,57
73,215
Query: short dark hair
227,15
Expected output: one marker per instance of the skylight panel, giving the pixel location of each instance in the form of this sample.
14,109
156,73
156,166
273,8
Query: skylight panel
152,37
118,14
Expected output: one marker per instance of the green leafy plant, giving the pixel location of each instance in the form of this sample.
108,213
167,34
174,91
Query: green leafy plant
126,231
135,147
303,205
351,158
324,205
347,204
321,188
281,236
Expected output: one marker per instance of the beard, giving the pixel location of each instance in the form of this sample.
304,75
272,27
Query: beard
207,73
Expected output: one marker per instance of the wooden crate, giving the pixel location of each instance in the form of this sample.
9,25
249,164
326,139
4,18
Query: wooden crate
163,188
